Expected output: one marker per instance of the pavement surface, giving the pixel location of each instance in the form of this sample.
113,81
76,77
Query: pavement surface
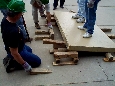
91,69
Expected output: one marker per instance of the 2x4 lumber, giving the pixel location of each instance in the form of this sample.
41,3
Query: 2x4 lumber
64,63
36,71
106,29
39,37
38,32
56,46
50,41
111,36
72,54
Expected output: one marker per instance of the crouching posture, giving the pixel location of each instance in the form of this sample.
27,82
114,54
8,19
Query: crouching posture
38,4
18,54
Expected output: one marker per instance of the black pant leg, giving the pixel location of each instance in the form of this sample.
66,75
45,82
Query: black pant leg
55,4
62,3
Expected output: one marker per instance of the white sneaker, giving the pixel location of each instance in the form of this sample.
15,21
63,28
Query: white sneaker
82,28
50,26
87,35
80,20
76,16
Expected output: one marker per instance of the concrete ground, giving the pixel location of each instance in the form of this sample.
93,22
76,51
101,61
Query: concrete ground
90,71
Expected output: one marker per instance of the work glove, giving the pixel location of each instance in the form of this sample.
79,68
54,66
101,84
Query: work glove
27,67
90,3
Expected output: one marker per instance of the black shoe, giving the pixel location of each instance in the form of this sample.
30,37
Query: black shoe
9,64
43,15
61,7
55,8
37,26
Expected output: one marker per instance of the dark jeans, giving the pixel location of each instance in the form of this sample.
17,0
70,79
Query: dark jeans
29,57
90,17
55,4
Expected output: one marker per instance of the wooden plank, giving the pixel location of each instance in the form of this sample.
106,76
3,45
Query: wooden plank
58,50
74,40
38,32
72,54
64,63
39,37
106,29
50,41
111,36
36,71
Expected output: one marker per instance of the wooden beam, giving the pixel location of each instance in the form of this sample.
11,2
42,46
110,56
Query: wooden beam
106,29
50,41
36,71
39,37
38,32
111,36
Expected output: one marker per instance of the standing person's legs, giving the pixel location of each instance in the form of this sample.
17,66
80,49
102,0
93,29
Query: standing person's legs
35,16
41,11
55,4
92,18
47,7
62,3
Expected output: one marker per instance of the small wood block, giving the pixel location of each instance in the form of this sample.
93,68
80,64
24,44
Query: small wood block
39,37
111,36
106,29
109,57
64,63
75,60
109,60
50,41
38,32
72,54
36,71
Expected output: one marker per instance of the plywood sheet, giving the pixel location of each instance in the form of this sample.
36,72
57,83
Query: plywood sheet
99,42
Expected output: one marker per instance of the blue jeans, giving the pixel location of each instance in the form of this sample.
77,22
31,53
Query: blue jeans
81,8
29,57
19,22
90,17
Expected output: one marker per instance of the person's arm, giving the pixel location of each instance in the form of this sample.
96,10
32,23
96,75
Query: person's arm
19,59
16,55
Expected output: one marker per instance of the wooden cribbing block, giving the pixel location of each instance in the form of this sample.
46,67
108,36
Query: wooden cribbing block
51,32
64,63
72,54
106,29
36,71
109,58
56,46
58,50
50,41
39,37
111,36
38,32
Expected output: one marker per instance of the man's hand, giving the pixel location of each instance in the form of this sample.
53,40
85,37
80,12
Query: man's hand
90,3
27,67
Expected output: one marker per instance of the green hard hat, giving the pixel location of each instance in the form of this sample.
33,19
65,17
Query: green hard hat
44,1
16,6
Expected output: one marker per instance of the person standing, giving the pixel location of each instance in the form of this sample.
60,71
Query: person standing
37,4
90,9
55,4
80,15
14,41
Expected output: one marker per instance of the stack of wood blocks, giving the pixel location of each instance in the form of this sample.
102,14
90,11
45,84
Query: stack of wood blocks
61,52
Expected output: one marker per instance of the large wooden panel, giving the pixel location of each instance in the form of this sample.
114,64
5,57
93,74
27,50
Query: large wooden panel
99,42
